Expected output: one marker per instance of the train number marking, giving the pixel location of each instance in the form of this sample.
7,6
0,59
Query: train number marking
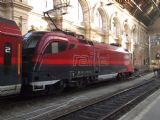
7,49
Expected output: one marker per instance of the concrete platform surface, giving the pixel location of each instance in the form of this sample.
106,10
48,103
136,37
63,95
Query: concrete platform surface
149,109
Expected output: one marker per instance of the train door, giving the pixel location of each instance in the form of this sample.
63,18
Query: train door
96,61
10,65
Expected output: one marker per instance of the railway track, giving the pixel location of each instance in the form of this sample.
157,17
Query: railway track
113,107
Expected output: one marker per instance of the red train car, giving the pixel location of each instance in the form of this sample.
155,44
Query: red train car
10,57
54,60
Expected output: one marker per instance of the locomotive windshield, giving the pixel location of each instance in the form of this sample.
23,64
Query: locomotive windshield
30,39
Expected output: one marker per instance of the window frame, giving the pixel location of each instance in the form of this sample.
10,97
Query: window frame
50,44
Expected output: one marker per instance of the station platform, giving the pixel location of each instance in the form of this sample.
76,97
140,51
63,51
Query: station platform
149,109
50,107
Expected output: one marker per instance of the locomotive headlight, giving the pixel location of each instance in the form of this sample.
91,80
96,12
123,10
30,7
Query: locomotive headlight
126,59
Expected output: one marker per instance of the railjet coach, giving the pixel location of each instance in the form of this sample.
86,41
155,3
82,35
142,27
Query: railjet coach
10,57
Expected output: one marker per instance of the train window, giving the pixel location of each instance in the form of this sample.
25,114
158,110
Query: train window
62,46
48,50
30,40
56,47
33,42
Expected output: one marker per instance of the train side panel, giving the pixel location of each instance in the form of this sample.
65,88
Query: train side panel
10,58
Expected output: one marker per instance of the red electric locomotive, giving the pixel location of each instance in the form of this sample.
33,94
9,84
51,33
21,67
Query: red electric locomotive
54,60
10,57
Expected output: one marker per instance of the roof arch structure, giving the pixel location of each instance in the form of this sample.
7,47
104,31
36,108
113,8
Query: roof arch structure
105,18
146,11
115,19
85,10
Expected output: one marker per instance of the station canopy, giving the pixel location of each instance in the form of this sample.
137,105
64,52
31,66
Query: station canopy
146,11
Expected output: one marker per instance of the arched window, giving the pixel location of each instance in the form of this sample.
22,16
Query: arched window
98,20
125,33
75,11
134,36
115,26
125,36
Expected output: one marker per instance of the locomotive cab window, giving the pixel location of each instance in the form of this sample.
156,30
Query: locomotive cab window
56,47
30,39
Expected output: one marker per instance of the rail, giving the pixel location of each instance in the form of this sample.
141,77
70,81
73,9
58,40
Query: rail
113,107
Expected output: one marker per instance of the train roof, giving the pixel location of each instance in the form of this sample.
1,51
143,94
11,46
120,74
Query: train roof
80,39
9,27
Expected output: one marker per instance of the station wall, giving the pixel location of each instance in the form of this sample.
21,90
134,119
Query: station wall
95,19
